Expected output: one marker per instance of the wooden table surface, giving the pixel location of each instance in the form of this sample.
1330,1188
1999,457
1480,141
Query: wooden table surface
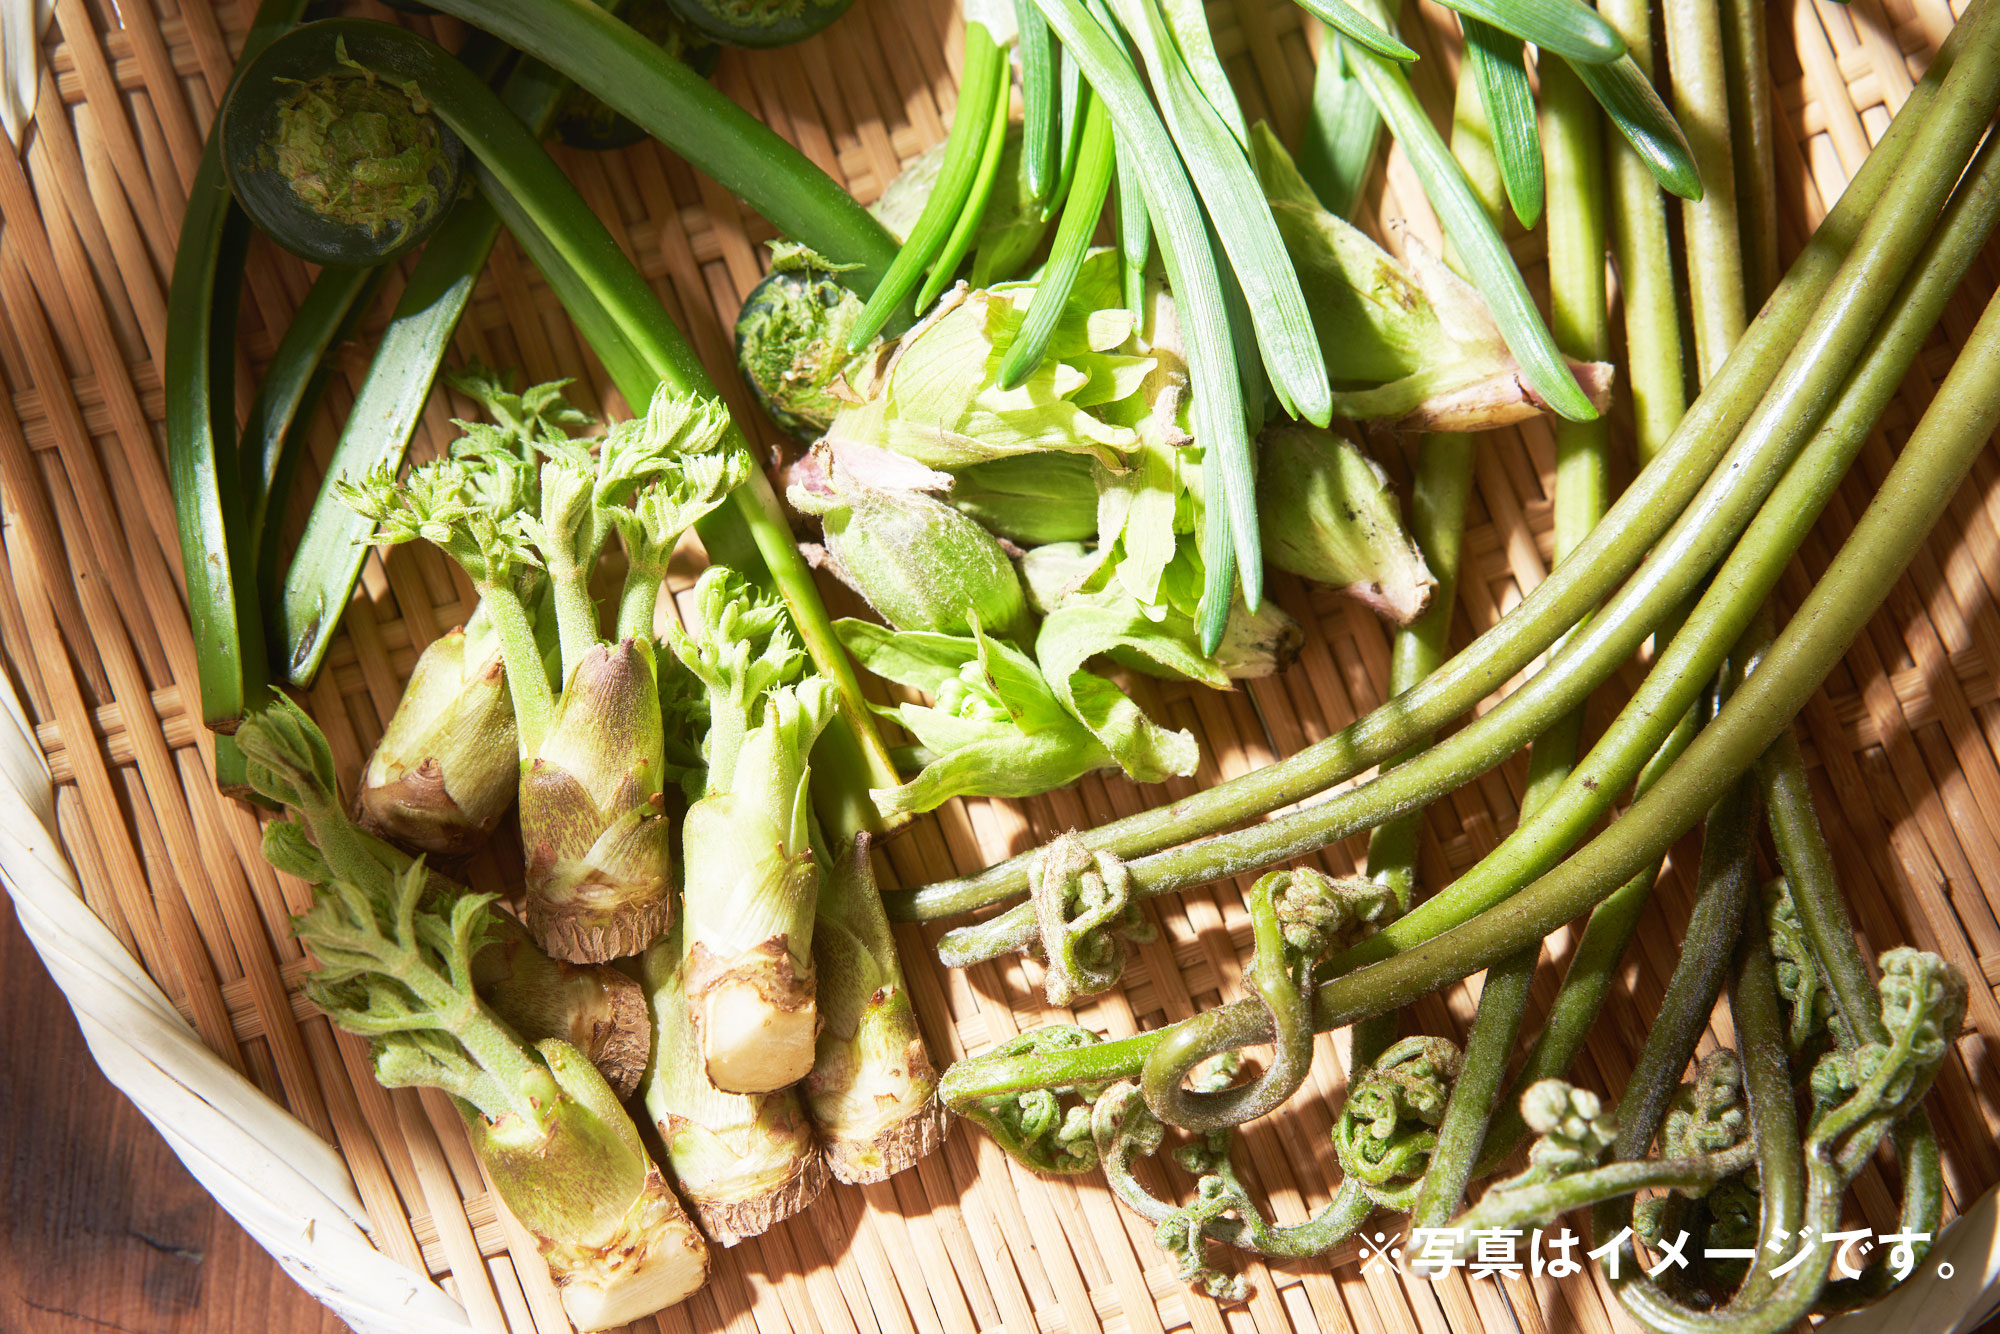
101,1228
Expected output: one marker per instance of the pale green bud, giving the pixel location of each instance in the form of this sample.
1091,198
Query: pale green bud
592,812
1329,515
447,766
917,561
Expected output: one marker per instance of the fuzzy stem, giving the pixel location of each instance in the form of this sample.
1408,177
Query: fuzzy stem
527,682
638,600
576,610
1808,867
1528,1206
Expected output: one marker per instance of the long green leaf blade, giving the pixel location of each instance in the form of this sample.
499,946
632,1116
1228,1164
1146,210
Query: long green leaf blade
1496,60
985,68
1635,107
1568,28
1235,200
1041,159
1135,234
203,467
1343,133
653,89
1217,409
1187,20
1358,27
274,435
1066,253
974,207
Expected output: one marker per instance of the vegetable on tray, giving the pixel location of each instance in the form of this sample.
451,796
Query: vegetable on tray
1051,469
398,965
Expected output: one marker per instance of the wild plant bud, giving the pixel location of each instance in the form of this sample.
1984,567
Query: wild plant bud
742,1162
872,1092
593,1007
1329,515
601,1213
919,563
446,767
592,812
1409,343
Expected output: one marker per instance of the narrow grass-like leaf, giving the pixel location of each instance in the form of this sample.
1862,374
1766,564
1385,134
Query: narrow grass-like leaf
328,558
1566,27
974,208
1342,135
1080,213
1069,128
1041,157
274,436
1484,254
1187,20
1628,97
985,66
200,375
1217,409
1249,236
1135,232
1358,27
1496,59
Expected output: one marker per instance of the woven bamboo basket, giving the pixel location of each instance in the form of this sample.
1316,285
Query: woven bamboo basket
146,895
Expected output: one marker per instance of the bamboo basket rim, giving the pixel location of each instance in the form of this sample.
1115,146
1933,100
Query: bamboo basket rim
75,395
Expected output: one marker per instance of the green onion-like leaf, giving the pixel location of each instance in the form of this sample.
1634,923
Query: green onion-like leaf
1187,20
1070,130
1242,217
974,208
1568,28
1191,272
1510,111
274,436
1340,139
1628,97
1041,159
985,68
1079,220
1358,27
201,424
1135,231
1487,260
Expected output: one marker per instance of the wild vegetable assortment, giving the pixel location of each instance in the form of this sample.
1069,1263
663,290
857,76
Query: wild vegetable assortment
1047,466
